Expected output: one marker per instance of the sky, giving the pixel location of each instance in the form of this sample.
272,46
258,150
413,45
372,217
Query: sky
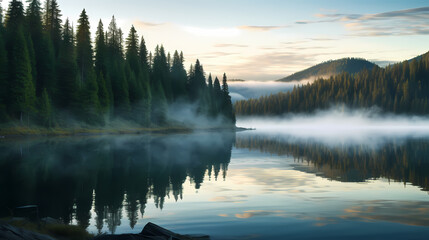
268,39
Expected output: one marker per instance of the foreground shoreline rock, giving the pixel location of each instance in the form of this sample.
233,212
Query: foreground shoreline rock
10,232
153,232
150,232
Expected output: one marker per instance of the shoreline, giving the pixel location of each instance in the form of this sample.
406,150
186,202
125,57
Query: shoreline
17,132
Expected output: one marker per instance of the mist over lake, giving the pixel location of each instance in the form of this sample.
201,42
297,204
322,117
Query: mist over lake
263,183
254,89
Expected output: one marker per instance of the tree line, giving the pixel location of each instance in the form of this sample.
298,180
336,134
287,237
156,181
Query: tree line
401,88
50,73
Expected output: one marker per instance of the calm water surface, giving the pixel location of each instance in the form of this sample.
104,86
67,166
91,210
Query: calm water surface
247,185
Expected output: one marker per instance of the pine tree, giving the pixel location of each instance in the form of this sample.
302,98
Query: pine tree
218,96
68,88
143,78
211,97
44,58
104,86
100,50
116,71
133,69
158,81
90,105
22,94
132,51
83,47
3,73
227,108
161,72
178,77
144,61
53,23
91,109
197,82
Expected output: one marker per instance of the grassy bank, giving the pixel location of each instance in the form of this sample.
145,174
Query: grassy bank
56,230
40,131
17,130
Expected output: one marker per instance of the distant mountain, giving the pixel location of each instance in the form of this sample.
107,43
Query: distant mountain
333,67
401,88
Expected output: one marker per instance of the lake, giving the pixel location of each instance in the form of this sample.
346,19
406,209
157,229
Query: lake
244,185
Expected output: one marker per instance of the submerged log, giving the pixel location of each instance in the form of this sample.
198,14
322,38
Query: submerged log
153,232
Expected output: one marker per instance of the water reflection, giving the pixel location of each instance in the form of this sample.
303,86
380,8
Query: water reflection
401,160
66,176
269,186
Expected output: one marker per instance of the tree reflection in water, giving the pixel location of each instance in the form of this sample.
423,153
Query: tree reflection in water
67,176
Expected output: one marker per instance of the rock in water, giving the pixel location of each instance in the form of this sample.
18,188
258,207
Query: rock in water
153,232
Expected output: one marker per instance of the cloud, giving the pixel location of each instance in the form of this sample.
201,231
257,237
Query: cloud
277,62
397,23
213,54
212,32
322,39
142,24
262,28
225,45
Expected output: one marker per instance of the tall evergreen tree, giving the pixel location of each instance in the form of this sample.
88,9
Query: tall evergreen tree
3,72
22,94
88,79
227,108
132,51
218,96
84,47
44,59
159,76
53,23
104,86
161,72
144,61
68,88
197,82
14,18
100,50
178,77
136,79
143,78
116,70
211,97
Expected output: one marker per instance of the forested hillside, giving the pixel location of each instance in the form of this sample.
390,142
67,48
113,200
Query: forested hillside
52,74
333,67
398,88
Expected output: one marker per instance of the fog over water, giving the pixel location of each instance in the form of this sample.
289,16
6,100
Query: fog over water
340,126
255,89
